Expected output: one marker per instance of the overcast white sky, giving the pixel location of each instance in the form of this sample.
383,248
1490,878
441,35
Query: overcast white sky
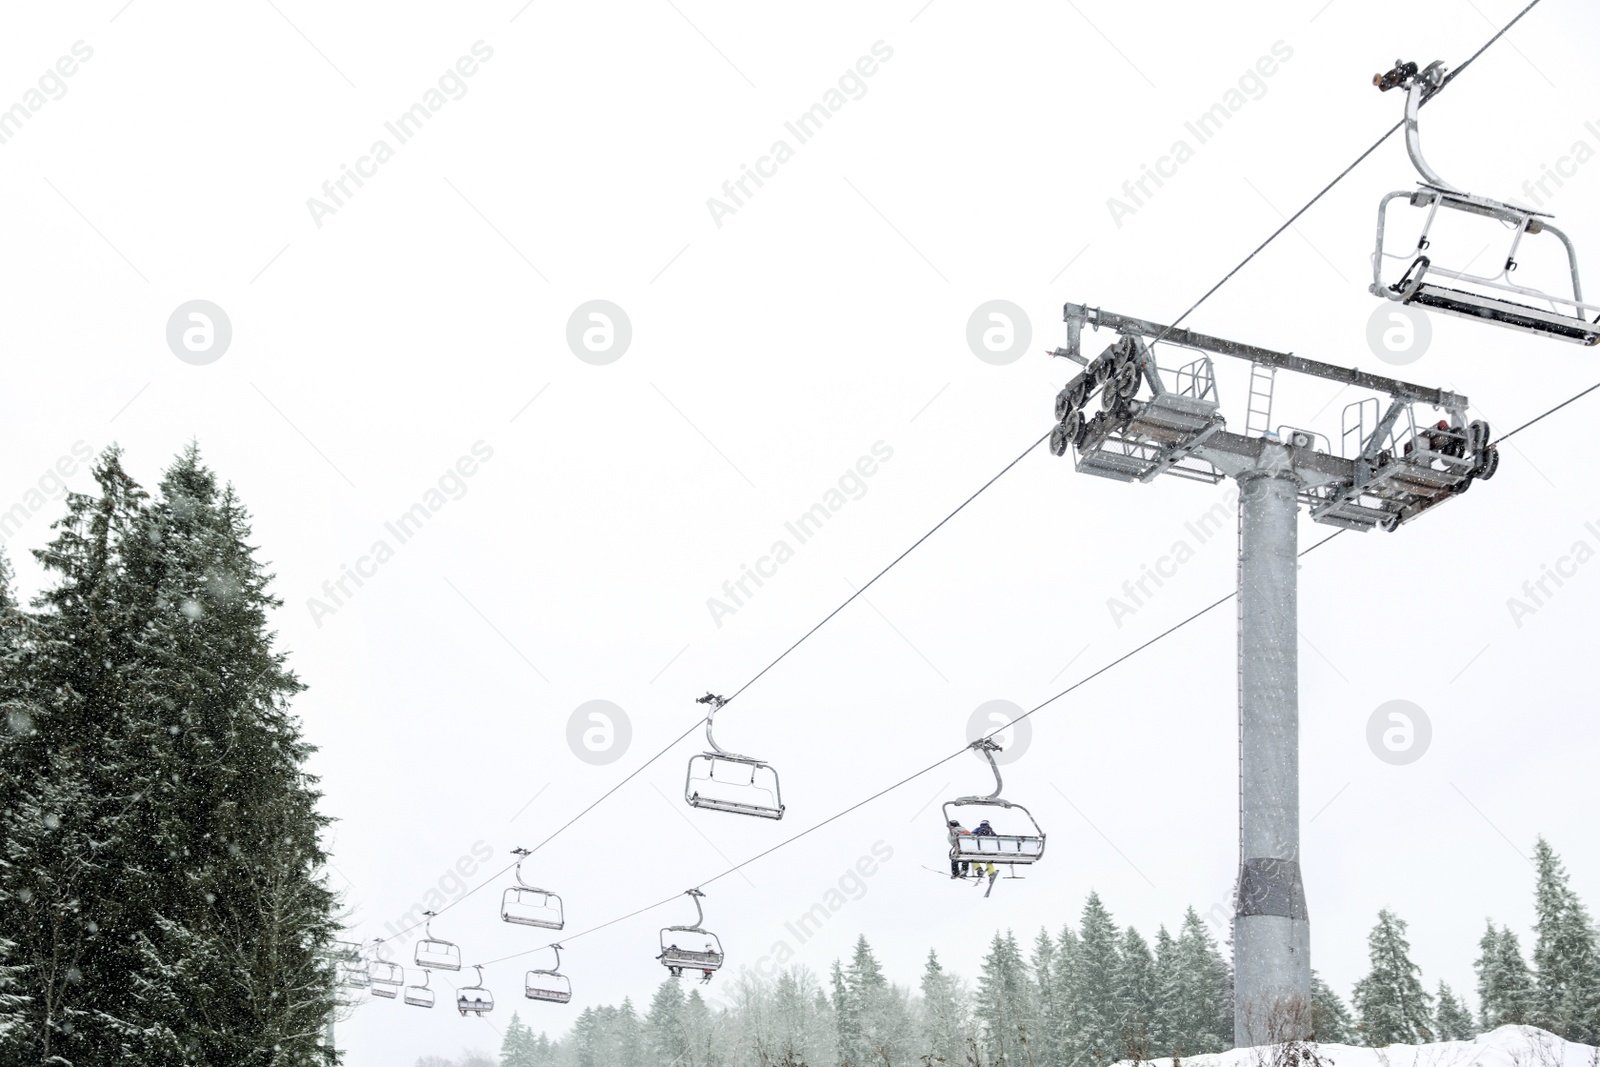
768,354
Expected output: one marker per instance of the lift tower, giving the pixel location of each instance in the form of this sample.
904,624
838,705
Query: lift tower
1156,420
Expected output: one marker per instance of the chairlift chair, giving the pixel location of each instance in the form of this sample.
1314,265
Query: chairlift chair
350,960
676,959
548,985
726,781
1491,297
475,999
526,905
436,954
420,996
384,976
1000,850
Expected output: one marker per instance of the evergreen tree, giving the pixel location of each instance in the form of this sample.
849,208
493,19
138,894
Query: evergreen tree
1331,1022
67,803
517,1048
1004,1002
158,829
1505,985
1566,960
664,1032
1200,1007
847,1018
1391,1005
1097,1029
1064,970
1136,990
1453,1017
944,1022
1161,1025
1045,1027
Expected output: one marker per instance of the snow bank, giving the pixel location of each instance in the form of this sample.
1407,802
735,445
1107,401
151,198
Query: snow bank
1508,1046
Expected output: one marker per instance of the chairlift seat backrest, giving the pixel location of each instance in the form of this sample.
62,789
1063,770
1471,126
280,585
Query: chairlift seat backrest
474,1002
419,996
526,906
384,973
475,999
435,955
720,780
548,986
735,784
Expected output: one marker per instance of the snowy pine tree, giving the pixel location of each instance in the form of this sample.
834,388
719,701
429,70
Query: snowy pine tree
1453,1017
1566,960
664,1033
1200,1008
1096,1023
944,1017
1004,1003
159,830
1505,985
1391,1005
1161,1026
1046,1025
1331,1022
1136,992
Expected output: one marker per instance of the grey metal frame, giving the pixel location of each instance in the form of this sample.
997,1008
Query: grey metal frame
520,894
475,999
435,953
1002,850
1139,439
1565,319
677,959
554,987
719,755
420,996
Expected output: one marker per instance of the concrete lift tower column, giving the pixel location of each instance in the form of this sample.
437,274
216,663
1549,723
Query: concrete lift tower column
1157,420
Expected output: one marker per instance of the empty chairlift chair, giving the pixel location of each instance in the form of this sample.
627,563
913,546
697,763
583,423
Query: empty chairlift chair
691,947
384,976
420,996
726,781
475,999
435,954
1451,289
550,986
977,851
351,962
526,905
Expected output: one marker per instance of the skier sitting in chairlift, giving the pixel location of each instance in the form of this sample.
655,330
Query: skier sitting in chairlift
983,829
958,868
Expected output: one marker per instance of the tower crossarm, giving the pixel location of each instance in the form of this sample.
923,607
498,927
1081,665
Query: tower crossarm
1079,315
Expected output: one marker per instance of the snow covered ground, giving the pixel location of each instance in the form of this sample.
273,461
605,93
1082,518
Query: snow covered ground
1507,1046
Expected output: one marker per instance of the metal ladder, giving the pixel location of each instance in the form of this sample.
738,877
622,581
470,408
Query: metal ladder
1258,419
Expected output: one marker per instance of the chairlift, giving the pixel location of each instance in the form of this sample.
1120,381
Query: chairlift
1455,291
676,959
436,954
420,996
995,850
350,960
475,999
551,985
384,976
726,781
526,905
